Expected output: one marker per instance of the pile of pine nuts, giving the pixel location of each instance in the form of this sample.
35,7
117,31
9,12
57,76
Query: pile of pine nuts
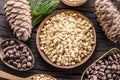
42,77
66,39
75,0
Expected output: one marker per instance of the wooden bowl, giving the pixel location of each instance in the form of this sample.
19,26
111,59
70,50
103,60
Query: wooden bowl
46,75
110,52
74,4
18,42
38,40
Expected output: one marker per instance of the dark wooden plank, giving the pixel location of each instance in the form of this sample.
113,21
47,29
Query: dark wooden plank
103,45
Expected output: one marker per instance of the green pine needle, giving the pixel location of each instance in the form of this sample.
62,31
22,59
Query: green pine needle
41,8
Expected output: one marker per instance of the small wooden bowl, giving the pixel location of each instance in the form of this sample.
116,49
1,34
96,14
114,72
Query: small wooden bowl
19,42
38,40
110,52
46,75
74,4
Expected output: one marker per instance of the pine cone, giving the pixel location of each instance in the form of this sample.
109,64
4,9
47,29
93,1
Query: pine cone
18,14
109,18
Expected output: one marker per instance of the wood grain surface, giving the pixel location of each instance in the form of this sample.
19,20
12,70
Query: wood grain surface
103,45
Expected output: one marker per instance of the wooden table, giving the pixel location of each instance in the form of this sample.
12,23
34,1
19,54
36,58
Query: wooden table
103,45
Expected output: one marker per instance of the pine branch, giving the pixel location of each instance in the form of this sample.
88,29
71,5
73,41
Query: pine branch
41,8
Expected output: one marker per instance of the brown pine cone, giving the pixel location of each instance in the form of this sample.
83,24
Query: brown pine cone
109,18
18,14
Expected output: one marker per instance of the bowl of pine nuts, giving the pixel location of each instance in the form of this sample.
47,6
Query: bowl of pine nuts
42,77
74,3
66,39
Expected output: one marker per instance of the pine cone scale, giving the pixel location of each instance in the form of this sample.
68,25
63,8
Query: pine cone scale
9,3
